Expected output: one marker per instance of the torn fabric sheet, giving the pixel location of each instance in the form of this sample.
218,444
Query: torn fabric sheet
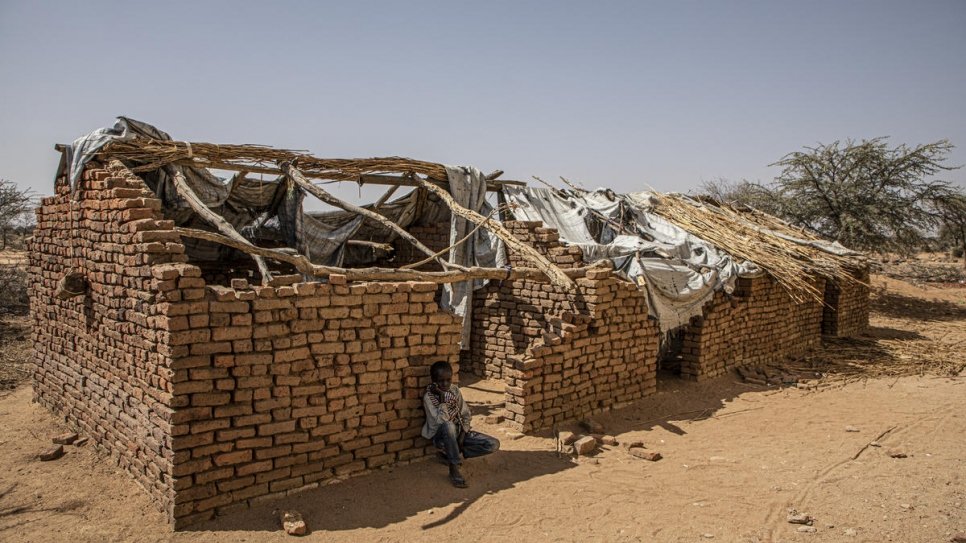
681,272
85,147
468,187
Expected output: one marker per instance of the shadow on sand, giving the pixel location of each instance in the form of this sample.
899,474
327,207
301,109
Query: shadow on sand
392,495
897,306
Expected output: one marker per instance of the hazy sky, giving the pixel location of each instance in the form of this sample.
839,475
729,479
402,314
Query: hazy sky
620,94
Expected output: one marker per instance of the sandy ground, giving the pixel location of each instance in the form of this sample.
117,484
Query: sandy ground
736,457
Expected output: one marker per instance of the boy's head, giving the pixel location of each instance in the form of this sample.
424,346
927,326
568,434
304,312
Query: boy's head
442,374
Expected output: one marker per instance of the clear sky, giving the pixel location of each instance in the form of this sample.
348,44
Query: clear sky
620,94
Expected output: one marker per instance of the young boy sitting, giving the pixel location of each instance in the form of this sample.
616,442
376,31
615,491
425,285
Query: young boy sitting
448,423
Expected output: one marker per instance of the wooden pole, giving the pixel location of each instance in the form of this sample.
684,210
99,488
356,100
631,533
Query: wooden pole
295,175
306,267
556,275
185,191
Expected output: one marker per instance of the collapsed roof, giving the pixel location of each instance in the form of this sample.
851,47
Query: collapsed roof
679,249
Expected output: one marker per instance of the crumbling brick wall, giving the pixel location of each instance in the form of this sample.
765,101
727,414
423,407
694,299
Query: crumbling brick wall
847,306
213,396
281,387
101,361
759,324
604,359
563,355
434,236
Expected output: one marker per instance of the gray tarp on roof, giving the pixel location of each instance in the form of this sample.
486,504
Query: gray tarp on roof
261,210
468,187
681,271
272,210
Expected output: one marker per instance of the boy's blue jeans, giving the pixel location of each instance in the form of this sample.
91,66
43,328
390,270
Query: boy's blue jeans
474,443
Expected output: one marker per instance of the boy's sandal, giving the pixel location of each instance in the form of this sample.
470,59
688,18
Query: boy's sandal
458,481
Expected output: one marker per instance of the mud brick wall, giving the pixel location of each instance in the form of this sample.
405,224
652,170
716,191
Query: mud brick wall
563,355
509,315
847,306
759,324
435,236
279,388
545,240
101,362
604,359
212,397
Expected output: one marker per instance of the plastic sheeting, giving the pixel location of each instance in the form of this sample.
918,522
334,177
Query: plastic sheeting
679,271
261,210
468,187
272,210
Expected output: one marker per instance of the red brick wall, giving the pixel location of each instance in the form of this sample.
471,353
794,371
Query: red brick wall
100,358
279,388
563,355
760,324
211,396
847,306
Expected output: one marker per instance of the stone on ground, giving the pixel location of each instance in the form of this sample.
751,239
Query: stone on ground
794,517
567,438
609,440
292,523
52,453
65,439
644,454
585,445
493,419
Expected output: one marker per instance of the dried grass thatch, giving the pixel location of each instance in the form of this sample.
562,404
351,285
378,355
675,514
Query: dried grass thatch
150,154
745,234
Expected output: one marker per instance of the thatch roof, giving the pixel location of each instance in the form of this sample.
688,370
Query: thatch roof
781,250
792,256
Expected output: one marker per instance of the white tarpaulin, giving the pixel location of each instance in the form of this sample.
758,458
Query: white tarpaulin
468,187
679,271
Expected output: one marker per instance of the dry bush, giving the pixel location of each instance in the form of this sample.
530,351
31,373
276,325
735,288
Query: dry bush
13,290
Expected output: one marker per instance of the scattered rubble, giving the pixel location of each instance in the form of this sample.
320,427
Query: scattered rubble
292,523
52,453
644,454
770,375
65,439
794,517
493,419
585,445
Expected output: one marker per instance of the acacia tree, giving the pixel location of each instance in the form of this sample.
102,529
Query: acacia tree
744,192
15,203
865,195
951,210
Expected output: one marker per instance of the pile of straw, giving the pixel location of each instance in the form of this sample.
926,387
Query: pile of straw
793,265
150,154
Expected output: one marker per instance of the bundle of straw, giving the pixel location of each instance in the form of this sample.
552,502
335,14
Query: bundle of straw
793,265
151,154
